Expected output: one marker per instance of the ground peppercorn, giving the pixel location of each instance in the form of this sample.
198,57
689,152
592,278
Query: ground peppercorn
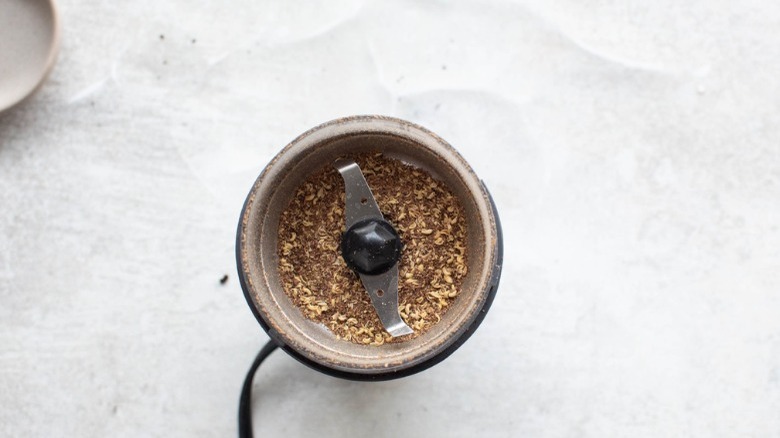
430,222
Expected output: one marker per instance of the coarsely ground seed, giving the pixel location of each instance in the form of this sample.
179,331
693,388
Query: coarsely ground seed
432,227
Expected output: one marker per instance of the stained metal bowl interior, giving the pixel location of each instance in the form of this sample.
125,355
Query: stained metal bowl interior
273,191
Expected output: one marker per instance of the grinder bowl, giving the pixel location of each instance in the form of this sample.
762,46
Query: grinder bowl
256,248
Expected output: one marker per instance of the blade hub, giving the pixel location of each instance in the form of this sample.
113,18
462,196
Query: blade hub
371,246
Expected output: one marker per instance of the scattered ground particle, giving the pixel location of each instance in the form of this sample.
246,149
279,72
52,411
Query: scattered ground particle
432,227
162,37
224,279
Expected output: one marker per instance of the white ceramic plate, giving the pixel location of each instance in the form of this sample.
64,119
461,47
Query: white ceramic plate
29,40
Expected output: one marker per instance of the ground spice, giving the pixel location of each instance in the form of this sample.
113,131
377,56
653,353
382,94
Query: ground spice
431,224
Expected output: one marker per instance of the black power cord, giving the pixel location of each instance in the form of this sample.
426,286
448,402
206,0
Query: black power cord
245,405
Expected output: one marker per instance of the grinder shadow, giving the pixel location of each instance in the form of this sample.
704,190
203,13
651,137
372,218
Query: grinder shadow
291,399
15,119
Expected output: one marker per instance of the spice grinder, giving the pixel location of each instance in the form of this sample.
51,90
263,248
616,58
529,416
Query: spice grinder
371,246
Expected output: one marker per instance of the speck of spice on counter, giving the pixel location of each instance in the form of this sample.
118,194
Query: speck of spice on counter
433,262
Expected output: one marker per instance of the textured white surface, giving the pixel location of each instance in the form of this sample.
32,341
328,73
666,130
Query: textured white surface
633,149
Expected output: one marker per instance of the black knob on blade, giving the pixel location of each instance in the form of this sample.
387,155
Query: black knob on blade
371,246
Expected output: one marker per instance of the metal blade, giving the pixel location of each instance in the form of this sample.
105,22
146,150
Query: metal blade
360,202
382,288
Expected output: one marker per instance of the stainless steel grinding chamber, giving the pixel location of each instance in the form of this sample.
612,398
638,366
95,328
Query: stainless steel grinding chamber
312,343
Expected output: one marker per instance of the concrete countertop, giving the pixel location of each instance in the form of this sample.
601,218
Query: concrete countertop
633,149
